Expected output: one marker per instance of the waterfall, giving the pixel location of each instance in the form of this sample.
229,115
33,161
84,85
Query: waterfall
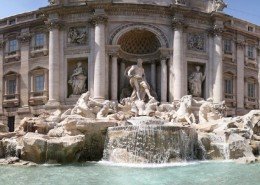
220,141
10,147
150,144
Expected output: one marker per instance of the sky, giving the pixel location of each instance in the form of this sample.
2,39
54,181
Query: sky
244,9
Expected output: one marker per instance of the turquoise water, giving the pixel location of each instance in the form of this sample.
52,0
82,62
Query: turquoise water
103,174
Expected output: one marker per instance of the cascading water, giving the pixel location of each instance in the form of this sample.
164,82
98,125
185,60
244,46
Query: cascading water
221,143
147,143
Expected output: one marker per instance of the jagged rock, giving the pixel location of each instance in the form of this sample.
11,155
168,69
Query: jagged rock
213,146
41,148
3,128
34,124
55,116
208,127
65,149
255,145
6,135
2,154
239,147
34,147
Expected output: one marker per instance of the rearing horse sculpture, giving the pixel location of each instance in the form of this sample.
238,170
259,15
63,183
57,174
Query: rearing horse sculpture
183,114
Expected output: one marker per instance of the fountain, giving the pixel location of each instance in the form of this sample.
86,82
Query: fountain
139,129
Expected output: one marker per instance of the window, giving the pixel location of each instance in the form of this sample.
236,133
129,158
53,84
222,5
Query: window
13,46
229,86
39,40
11,87
250,28
39,83
251,90
250,52
12,22
227,46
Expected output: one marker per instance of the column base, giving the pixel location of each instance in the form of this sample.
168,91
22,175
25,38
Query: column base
100,99
23,110
52,104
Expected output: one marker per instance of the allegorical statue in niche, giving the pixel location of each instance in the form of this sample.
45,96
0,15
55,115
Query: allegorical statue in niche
78,80
195,82
138,82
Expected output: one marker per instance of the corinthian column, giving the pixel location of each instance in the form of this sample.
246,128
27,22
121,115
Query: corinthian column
54,61
163,81
99,20
153,75
217,65
178,59
114,78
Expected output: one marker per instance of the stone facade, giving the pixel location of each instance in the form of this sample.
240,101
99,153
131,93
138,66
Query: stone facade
40,50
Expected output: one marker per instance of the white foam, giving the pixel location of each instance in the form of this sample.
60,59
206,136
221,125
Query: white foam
147,165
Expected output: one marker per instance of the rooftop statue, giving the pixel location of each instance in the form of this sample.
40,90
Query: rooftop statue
219,5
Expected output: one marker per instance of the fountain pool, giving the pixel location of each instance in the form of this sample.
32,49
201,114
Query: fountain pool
201,173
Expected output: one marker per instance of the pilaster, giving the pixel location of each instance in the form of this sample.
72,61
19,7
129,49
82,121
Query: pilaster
1,73
24,40
240,47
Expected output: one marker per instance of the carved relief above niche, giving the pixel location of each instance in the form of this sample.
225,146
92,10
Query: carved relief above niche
196,41
77,35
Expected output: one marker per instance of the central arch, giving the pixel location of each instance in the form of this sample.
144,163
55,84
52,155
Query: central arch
139,41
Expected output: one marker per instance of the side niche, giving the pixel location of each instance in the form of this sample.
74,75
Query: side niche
77,77
77,35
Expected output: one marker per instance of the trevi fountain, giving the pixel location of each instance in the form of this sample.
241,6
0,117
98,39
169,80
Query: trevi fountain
137,133
129,92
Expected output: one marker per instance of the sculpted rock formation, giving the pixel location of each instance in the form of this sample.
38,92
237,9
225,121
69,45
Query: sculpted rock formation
160,132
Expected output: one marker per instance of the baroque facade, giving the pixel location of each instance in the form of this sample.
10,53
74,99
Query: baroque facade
50,56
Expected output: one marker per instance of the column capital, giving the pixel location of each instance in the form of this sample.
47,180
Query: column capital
240,44
25,37
178,23
98,19
216,31
54,24
113,50
165,53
